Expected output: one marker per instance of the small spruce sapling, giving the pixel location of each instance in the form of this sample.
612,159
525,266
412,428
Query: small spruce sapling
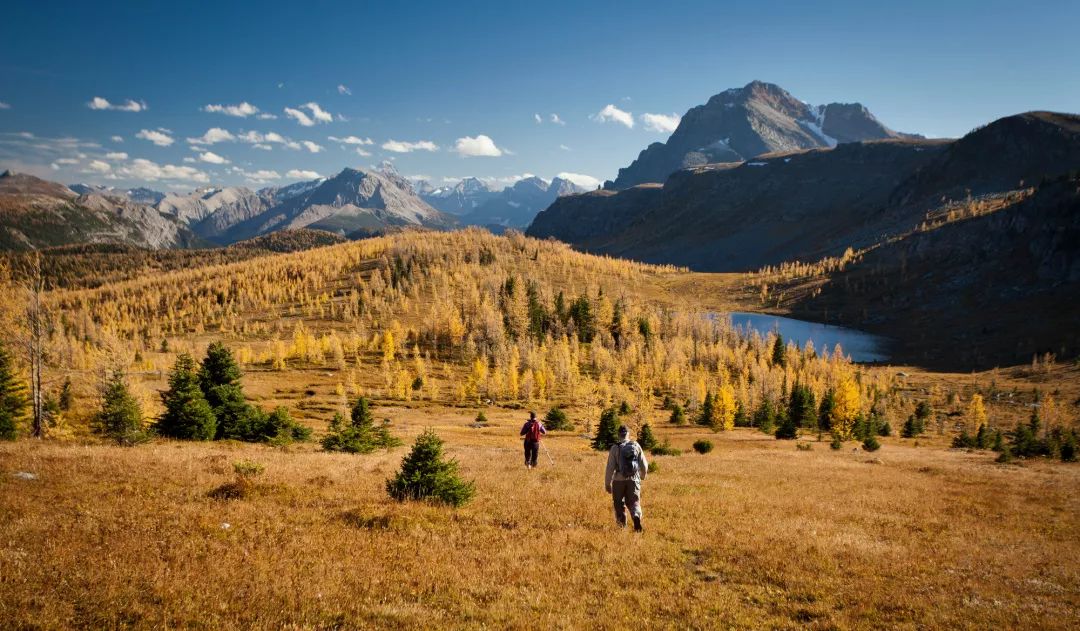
426,475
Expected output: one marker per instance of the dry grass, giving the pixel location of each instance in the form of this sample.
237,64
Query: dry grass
754,535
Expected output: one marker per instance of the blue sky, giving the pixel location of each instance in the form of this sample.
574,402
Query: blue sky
448,86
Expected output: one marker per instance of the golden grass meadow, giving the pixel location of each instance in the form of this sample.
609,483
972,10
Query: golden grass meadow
434,328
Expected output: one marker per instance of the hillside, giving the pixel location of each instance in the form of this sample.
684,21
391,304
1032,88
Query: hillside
994,280
35,213
812,204
742,123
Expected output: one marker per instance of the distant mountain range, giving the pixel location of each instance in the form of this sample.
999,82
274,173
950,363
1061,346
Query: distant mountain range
742,123
37,213
476,204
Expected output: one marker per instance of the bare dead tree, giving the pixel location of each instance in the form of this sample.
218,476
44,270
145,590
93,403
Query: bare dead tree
37,324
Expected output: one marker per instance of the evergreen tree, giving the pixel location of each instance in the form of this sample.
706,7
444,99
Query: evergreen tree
765,416
708,416
742,419
67,397
359,435
788,429
121,416
646,439
13,400
187,414
778,351
425,474
607,430
802,409
584,319
827,411
219,380
678,416
556,419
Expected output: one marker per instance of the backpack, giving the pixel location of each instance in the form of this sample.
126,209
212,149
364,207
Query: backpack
628,459
533,432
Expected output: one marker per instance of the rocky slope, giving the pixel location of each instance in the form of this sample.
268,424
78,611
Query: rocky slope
741,123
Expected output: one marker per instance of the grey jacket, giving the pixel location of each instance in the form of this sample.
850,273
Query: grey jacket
612,471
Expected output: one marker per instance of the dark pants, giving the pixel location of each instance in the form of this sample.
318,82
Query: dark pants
532,452
626,495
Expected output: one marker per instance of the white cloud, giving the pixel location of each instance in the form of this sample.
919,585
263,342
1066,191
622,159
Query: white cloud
311,146
159,137
663,123
318,114
242,110
212,136
4,106
537,118
565,148
262,146
406,147
267,116
300,117
341,89
190,160
212,158
582,180
116,155
351,140
99,166
117,139
62,162
479,146
361,152
142,169
98,103
610,113
558,121
262,176
303,175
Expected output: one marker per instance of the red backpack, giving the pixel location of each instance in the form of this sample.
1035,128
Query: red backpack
533,432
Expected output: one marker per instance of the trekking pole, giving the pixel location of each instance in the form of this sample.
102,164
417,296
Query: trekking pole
550,459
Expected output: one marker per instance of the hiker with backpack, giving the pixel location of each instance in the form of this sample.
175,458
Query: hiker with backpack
532,430
626,469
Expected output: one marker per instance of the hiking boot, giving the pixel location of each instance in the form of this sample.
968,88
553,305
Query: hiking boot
637,525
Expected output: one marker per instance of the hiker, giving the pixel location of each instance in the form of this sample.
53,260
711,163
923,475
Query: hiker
626,469
532,430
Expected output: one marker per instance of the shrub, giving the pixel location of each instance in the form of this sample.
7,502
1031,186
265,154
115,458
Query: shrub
624,408
653,466
913,427
703,446
481,418
803,446
1006,456
246,471
645,438
120,417
871,443
836,443
556,419
359,435
678,416
426,475
607,430
665,449
885,429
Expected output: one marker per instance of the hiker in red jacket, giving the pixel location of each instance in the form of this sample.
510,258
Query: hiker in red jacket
532,430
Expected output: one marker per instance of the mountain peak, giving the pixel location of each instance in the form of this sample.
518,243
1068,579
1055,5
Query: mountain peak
739,124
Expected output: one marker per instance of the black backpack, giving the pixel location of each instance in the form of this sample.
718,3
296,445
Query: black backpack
628,459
